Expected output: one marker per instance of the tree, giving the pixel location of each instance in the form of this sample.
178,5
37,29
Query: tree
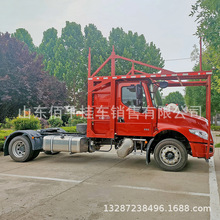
176,98
23,35
46,49
133,46
69,56
196,96
99,47
207,15
208,19
98,44
23,81
66,57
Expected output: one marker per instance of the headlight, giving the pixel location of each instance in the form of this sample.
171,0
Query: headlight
199,133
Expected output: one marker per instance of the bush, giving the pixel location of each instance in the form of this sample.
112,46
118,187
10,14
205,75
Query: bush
8,123
26,123
1,145
70,129
215,128
3,133
65,119
55,122
44,123
76,120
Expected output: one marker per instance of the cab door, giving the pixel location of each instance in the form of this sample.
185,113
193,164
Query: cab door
134,120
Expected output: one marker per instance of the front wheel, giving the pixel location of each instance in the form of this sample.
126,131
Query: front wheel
170,155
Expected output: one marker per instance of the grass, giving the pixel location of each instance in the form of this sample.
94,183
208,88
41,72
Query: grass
70,129
215,128
217,145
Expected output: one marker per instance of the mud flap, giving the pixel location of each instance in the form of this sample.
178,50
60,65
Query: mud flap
148,151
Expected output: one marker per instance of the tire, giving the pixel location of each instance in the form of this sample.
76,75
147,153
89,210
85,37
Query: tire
51,153
20,149
170,155
35,154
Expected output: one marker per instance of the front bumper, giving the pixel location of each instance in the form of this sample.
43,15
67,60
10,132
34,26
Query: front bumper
200,149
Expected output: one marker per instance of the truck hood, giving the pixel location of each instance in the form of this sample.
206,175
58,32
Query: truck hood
181,119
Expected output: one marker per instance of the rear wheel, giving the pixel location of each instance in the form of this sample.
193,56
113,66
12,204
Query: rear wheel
20,149
35,154
171,155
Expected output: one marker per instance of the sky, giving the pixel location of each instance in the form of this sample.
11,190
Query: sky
165,22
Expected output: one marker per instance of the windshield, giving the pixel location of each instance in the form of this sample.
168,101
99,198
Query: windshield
155,95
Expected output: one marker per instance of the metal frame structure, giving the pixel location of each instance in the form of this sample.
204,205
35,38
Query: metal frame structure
174,79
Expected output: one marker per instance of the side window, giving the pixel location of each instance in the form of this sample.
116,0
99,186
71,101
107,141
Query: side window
129,96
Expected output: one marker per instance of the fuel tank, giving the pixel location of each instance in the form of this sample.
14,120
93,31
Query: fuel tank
65,143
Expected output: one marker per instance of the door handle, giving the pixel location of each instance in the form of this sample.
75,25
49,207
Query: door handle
120,119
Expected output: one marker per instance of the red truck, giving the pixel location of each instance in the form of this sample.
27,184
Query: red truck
123,112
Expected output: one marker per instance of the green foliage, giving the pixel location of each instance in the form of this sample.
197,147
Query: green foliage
1,145
176,98
76,120
65,118
66,57
208,19
217,145
65,60
99,48
196,96
134,46
7,124
207,15
70,129
3,133
31,123
22,35
215,128
158,98
55,122
47,46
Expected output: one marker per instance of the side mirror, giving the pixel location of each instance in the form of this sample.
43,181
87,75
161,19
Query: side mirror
163,84
132,88
139,94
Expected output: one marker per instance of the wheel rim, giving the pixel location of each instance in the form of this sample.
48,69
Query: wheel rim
18,149
170,155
